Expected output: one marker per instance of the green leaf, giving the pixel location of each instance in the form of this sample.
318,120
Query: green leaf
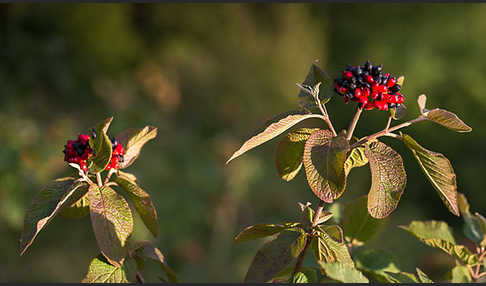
316,75
447,119
324,157
423,277
101,146
262,230
112,222
343,272
438,234
359,226
337,211
78,204
100,271
274,256
356,158
388,179
278,125
472,224
48,202
144,249
289,152
438,170
376,264
402,277
334,231
133,140
400,80
460,274
328,250
141,200
299,277
325,216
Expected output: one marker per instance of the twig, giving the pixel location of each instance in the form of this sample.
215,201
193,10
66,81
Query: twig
139,277
388,123
98,179
353,123
107,179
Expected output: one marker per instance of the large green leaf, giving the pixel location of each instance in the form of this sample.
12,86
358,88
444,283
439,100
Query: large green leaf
328,250
438,234
324,157
133,140
438,170
78,204
447,119
48,202
460,274
101,146
388,179
262,230
144,249
343,272
359,226
100,271
141,200
423,277
112,222
278,125
375,264
289,152
274,256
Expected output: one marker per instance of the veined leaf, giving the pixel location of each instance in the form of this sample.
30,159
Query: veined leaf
133,140
388,179
141,200
328,250
262,230
376,264
101,146
78,204
112,222
342,272
334,231
144,249
423,277
402,277
356,158
447,119
45,206
324,157
325,216
279,124
316,75
460,274
438,170
359,226
274,256
100,271
438,234
289,152
299,277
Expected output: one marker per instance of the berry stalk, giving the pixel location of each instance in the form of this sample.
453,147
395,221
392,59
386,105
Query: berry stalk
353,123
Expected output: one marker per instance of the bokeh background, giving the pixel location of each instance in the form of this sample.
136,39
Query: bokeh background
207,75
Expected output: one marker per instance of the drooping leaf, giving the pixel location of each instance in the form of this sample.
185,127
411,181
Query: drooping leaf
48,202
142,202
343,272
402,277
359,226
112,222
101,271
324,157
144,249
289,152
423,277
438,234
273,257
447,119
133,140
78,204
101,146
277,126
328,250
375,264
460,274
438,170
388,179
262,230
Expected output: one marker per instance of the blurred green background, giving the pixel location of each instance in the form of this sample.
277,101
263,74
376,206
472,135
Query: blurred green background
207,75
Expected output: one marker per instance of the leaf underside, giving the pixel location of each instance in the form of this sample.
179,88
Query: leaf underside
133,140
261,230
448,120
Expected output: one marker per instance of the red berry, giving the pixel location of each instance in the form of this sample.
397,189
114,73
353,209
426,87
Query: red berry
347,75
369,79
383,88
357,92
336,86
342,90
375,86
391,82
369,106
400,99
374,95
83,138
363,100
366,92
119,149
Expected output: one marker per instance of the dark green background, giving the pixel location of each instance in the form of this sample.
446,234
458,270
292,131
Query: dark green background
207,76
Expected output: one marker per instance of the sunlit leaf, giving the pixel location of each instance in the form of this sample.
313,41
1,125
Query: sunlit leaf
388,179
334,231
438,170
400,80
343,272
133,140
423,277
112,223
460,274
278,125
299,277
325,216
144,249
78,204
289,152
100,271
447,119
101,146
472,225
48,202
356,158
262,230
328,250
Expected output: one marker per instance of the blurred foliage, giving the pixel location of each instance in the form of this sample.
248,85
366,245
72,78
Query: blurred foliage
207,75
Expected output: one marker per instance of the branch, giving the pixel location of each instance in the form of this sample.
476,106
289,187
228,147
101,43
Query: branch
98,179
107,179
353,123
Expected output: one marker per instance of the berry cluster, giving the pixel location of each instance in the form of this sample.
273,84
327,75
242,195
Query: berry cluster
116,155
78,151
369,87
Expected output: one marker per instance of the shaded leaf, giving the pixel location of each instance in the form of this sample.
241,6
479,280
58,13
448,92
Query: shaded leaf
133,140
438,234
101,146
343,272
472,225
334,231
398,112
144,249
328,250
289,152
100,271
274,256
447,119
376,264
77,205
402,277
359,226
423,277
112,223
337,211
278,125
460,274
141,200
324,157
262,230
388,179
48,202
438,170
316,75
